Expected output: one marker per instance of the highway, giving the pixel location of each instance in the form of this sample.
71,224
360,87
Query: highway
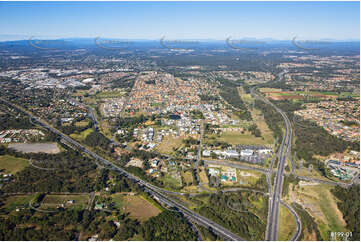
153,190
284,149
298,222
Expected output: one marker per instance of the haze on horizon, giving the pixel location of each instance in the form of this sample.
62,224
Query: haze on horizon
180,20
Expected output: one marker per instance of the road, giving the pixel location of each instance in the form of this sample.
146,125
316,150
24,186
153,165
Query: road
151,189
198,155
93,117
91,200
298,222
284,149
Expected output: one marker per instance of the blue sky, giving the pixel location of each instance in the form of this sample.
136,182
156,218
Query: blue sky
182,20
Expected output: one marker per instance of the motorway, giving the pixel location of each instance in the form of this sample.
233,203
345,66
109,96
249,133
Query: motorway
153,190
298,221
284,149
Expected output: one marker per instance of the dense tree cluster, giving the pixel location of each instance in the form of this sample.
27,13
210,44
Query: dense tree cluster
67,172
229,92
254,130
272,117
8,121
251,225
72,128
95,139
66,225
168,225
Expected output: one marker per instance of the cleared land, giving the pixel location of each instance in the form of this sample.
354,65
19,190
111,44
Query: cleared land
237,138
247,177
203,176
168,143
82,135
322,205
170,182
188,177
139,208
82,123
12,164
50,148
110,94
278,94
13,202
53,201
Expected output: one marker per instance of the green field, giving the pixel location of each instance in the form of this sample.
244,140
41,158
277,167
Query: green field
82,135
82,123
170,182
328,216
110,94
168,143
286,224
237,138
342,94
12,164
52,201
188,177
118,199
247,177
11,203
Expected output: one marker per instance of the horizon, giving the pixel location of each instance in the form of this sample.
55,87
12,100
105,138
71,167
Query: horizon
181,20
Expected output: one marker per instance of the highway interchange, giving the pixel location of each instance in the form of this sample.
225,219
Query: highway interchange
160,194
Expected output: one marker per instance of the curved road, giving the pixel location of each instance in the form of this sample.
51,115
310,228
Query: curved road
285,147
153,190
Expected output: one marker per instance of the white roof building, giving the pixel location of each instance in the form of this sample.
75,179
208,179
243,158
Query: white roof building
246,152
206,153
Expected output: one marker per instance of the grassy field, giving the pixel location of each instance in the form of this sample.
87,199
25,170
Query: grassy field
286,224
82,135
110,94
322,205
170,182
82,123
237,138
168,143
310,173
267,134
139,208
203,176
118,199
247,177
12,164
188,177
52,201
342,94
266,89
13,202
246,138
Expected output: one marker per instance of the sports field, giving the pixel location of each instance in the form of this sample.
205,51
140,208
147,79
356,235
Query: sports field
12,164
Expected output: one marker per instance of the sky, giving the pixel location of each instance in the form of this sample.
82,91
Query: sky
181,20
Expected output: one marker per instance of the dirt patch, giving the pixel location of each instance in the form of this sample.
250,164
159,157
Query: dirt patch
140,208
50,148
135,162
